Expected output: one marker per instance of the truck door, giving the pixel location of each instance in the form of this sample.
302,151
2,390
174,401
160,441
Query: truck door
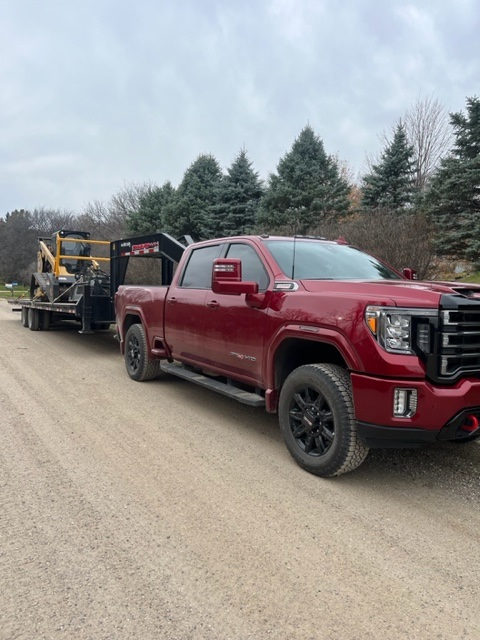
185,310
235,332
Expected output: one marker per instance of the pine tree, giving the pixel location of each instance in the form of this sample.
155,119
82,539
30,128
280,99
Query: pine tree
18,245
192,210
152,206
454,196
390,183
306,189
239,193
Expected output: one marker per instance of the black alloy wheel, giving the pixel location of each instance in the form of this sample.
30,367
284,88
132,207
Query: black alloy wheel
317,420
137,362
312,422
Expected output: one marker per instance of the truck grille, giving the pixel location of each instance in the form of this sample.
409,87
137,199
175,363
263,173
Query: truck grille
459,347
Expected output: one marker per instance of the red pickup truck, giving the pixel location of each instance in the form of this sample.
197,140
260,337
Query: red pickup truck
349,352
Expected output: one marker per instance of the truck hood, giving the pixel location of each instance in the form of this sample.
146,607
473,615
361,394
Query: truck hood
400,292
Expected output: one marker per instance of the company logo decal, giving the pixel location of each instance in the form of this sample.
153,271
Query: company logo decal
242,356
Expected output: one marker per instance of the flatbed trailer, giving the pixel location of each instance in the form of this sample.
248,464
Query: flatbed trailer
90,299
93,311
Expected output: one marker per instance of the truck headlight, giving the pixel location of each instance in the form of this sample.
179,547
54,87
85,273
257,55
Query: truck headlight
401,330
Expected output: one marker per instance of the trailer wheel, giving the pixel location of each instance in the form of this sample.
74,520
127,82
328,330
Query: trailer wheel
317,420
33,319
24,313
46,320
139,366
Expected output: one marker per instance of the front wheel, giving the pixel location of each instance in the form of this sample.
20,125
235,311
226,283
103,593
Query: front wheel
139,366
317,420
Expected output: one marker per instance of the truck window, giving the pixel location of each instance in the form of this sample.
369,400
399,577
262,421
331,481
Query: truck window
252,267
198,272
318,260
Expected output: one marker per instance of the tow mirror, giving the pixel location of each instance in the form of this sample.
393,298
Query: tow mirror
227,278
410,274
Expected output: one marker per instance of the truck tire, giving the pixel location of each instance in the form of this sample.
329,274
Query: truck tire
33,319
24,313
317,420
139,366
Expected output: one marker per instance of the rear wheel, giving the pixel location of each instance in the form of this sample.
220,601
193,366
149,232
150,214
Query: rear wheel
139,366
317,420
34,319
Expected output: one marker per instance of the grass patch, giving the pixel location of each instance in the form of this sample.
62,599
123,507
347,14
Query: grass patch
13,293
473,277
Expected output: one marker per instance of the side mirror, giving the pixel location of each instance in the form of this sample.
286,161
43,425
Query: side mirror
227,278
410,274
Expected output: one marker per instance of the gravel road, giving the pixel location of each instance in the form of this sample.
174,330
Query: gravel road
163,511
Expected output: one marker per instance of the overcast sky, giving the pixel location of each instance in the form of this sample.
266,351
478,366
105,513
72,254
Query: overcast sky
98,93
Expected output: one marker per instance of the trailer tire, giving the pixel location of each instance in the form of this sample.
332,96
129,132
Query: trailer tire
139,366
46,320
33,319
317,420
24,313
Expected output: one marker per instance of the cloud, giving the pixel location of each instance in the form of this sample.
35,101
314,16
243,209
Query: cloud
99,93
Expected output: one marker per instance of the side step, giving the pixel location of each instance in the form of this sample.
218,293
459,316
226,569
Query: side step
245,397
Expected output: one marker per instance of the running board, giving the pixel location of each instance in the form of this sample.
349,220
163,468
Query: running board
245,397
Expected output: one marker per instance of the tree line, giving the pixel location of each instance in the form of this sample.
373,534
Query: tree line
418,200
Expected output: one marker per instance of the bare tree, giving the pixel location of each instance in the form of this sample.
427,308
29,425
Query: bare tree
46,221
427,124
402,241
108,220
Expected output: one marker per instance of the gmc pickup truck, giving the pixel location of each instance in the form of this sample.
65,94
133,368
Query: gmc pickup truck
349,352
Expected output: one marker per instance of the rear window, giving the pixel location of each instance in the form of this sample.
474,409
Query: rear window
198,272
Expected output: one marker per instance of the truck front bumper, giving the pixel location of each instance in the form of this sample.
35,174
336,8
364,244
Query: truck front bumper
442,413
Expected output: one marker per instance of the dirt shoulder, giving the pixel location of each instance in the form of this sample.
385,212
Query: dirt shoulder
161,510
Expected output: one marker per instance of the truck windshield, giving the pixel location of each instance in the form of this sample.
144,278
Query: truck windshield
322,260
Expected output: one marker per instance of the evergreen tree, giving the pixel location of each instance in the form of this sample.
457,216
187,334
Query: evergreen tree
390,183
152,205
193,209
18,246
306,189
454,196
239,193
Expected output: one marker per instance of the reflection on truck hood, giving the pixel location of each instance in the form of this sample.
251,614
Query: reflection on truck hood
403,292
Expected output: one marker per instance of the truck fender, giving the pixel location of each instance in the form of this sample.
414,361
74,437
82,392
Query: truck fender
129,313
309,333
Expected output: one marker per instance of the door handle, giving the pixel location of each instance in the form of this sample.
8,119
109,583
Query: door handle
213,304
171,300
